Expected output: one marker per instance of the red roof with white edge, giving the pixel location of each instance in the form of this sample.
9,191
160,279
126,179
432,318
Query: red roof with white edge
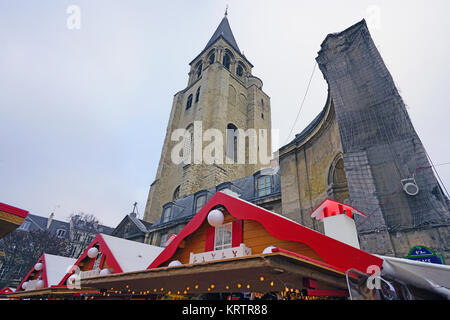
334,253
53,269
122,255
329,208
8,290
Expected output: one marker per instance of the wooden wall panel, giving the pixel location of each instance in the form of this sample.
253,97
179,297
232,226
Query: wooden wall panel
254,235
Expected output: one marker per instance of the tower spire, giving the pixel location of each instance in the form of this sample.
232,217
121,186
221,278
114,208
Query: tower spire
224,30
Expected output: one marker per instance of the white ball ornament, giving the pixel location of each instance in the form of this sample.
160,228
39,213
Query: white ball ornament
24,285
268,249
38,266
104,272
215,218
92,252
175,263
40,284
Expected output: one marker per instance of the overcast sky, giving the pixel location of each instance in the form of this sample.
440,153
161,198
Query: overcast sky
84,111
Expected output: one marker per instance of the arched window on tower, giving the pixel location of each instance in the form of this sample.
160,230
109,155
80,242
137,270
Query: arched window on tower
199,68
226,61
189,102
176,193
197,95
212,58
232,142
240,71
189,144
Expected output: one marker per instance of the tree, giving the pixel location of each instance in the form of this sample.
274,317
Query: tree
84,217
22,250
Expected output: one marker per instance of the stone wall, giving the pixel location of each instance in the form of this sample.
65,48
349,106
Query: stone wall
305,165
381,148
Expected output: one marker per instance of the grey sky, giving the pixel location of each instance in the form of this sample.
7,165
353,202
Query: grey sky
84,112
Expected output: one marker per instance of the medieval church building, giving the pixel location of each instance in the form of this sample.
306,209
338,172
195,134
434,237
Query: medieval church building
361,149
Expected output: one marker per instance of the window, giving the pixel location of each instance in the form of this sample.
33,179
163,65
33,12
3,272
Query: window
25,226
127,230
263,186
226,61
163,240
166,214
240,71
176,193
199,69
188,145
73,252
197,95
189,102
60,233
200,202
262,115
232,142
223,236
212,58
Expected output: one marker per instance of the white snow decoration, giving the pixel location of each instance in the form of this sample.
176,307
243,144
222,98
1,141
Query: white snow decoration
215,218
40,284
72,279
56,268
24,285
175,263
92,252
131,255
105,272
38,266
268,249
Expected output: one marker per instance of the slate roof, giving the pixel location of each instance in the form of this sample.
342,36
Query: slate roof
183,208
142,225
223,30
39,222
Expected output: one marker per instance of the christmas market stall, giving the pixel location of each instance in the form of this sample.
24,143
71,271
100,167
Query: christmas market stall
43,279
10,218
5,291
108,255
232,248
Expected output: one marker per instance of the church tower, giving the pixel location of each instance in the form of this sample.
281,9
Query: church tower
222,97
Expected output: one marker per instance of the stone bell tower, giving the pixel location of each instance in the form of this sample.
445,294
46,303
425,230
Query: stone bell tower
222,97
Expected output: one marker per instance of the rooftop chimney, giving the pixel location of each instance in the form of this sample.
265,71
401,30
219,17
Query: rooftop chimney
338,221
50,219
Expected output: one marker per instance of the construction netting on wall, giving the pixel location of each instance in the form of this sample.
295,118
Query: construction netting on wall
382,151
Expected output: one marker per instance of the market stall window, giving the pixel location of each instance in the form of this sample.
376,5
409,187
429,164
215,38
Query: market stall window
223,236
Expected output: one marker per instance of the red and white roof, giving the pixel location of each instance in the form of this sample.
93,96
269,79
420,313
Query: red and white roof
53,269
329,208
131,255
7,290
119,255
334,253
